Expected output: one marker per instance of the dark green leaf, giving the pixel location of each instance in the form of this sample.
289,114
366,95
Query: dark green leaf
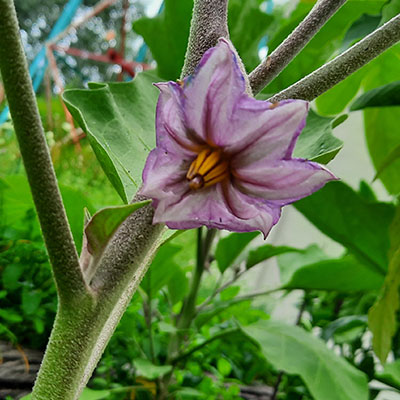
343,324
345,216
294,351
383,96
265,252
360,28
316,141
148,370
229,248
119,119
167,36
104,223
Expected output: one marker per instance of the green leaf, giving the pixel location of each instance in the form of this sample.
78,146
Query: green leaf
335,100
229,248
325,43
382,315
294,351
30,301
10,276
148,370
382,128
224,366
359,225
316,141
87,394
343,324
391,374
167,36
17,202
393,156
246,16
390,10
119,120
361,27
346,275
383,96
104,223
265,252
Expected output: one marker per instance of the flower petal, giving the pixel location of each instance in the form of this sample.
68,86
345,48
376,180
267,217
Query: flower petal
262,132
163,175
282,181
209,207
213,91
172,134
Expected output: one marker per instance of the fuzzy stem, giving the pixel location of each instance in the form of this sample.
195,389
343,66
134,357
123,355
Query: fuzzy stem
293,44
345,64
209,23
36,158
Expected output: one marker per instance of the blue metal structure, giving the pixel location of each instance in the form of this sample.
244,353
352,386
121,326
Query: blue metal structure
38,66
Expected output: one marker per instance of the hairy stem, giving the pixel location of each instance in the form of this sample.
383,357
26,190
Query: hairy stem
36,157
345,64
209,23
293,44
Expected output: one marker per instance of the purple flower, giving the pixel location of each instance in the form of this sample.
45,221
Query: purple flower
224,159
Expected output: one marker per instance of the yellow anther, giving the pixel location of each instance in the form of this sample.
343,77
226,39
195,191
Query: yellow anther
207,169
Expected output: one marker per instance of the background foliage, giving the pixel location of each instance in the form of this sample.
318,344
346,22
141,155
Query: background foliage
235,339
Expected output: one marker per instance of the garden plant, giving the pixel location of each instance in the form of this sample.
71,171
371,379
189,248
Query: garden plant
204,152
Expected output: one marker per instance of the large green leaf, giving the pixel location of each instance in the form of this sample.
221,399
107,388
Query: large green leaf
382,127
119,119
358,224
383,96
294,351
316,141
247,26
230,247
325,43
345,274
391,374
167,35
337,98
382,315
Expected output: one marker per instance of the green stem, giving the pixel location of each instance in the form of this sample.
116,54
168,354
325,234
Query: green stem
36,158
189,307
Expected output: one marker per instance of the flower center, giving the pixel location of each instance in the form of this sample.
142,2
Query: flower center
207,169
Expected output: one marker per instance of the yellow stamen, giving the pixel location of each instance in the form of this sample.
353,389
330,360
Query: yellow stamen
196,164
207,169
210,162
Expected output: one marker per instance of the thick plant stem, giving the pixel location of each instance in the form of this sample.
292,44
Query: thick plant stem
209,23
293,44
82,330
345,64
36,157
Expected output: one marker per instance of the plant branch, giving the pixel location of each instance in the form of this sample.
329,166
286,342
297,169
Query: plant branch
345,64
293,44
36,158
189,352
209,23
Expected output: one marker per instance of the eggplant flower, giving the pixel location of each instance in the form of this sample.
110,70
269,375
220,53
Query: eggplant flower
224,159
